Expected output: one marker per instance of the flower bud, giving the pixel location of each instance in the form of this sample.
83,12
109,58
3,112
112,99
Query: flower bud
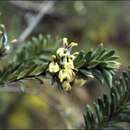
53,67
72,44
63,52
66,74
66,86
65,42
69,64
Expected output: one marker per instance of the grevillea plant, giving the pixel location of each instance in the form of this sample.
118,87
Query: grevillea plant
53,58
62,64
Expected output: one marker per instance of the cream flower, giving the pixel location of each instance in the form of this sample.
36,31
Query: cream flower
53,57
63,52
69,64
63,75
53,67
71,73
63,63
66,74
66,86
72,44
65,41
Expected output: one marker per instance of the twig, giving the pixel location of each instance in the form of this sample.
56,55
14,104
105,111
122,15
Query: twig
44,8
15,88
26,5
10,88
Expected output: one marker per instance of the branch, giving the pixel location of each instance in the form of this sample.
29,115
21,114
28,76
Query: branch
10,88
15,88
26,5
44,8
35,59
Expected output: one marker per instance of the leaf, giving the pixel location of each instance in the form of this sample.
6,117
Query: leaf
111,110
80,60
107,55
86,73
31,58
107,77
99,62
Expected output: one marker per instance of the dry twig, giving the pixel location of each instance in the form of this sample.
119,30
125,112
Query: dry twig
44,8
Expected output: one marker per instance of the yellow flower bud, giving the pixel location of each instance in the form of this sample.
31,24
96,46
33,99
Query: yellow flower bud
63,75
72,44
69,64
72,57
66,74
65,41
76,53
53,67
53,56
62,52
71,73
66,86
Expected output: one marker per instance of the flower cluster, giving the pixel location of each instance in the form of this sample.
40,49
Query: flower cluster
62,64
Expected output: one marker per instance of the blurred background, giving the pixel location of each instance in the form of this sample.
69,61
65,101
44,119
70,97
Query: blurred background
87,22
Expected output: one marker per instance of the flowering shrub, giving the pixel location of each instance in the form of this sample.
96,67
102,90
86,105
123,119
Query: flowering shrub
44,57
62,64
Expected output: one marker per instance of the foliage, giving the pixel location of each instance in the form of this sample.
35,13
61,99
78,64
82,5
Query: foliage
111,110
101,63
29,60
32,60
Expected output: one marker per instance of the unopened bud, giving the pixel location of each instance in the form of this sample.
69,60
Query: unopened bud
101,44
14,41
53,57
2,27
65,41
1,32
